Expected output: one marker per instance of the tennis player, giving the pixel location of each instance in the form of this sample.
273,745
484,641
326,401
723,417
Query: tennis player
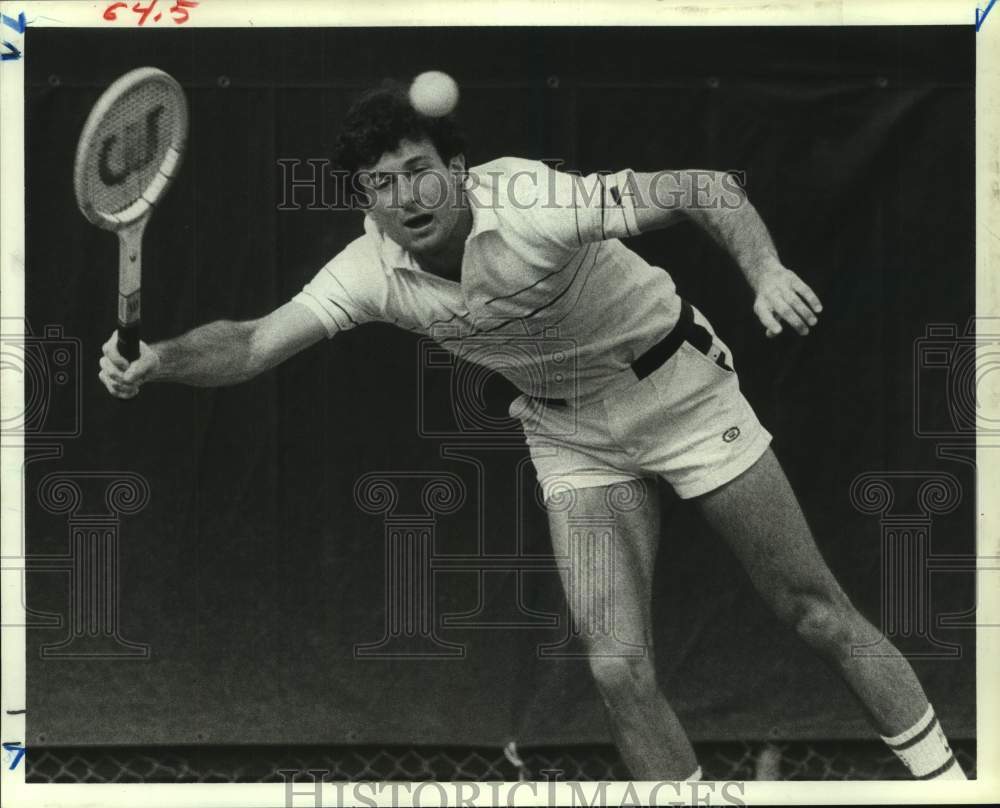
514,251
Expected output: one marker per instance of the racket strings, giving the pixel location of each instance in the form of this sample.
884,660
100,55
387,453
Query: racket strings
130,145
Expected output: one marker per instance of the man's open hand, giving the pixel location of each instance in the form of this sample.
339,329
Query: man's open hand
782,296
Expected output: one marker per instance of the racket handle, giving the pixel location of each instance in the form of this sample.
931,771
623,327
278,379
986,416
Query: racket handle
128,341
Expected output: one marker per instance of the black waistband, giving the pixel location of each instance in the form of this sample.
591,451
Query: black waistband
686,330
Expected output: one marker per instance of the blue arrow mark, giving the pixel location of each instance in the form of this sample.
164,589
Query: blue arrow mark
21,23
13,53
17,751
980,15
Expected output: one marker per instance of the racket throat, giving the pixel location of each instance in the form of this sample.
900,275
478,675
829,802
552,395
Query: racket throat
130,275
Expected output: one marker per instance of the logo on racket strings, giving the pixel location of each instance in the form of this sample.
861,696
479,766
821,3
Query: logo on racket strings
138,149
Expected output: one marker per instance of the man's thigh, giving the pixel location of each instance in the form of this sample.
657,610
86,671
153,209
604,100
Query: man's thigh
760,518
604,539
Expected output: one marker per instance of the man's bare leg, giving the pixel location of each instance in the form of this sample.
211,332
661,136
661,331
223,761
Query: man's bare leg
760,518
648,734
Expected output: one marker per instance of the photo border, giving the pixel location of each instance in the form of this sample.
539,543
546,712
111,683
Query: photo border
313,13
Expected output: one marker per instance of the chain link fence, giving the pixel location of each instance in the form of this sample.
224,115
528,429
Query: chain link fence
855,760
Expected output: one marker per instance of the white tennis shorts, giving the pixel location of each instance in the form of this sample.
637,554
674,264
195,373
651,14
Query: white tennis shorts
687,421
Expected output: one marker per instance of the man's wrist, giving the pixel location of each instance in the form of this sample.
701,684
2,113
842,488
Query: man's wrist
157,370
760,269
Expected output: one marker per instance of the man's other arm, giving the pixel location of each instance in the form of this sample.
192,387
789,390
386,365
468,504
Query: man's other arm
716,201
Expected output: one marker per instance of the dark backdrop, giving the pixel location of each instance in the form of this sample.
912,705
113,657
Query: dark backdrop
251,572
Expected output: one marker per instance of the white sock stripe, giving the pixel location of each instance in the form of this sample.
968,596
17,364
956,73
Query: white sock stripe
940,770
953,772
924,750
917,739
913,731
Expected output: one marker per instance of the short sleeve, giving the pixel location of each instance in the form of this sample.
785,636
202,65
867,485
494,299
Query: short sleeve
569,210
342,294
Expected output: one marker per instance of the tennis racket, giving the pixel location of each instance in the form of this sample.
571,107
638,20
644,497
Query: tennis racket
129,152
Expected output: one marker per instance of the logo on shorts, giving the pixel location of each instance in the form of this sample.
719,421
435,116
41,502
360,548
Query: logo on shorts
731,434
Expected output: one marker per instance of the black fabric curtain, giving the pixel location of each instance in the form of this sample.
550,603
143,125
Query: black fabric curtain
256,573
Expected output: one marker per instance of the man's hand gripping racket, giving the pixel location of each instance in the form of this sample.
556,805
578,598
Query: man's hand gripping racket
129,152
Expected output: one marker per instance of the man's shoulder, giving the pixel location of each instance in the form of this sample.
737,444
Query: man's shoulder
358,266
504,173
513,188
520,185
504,166
524,201
360,253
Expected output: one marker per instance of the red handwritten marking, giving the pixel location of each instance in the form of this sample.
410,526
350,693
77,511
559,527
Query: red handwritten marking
181,7
144,11
178,11
110,12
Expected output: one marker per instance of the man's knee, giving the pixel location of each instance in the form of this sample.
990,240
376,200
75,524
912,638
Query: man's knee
624,678
823,620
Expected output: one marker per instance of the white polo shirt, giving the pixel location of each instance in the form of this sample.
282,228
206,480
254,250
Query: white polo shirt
549,296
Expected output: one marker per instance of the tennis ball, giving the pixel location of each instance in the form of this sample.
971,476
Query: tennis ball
434,93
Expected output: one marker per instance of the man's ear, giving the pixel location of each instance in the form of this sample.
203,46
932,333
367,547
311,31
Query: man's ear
457,164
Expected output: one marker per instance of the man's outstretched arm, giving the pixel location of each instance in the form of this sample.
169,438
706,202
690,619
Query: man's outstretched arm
719,205
213,355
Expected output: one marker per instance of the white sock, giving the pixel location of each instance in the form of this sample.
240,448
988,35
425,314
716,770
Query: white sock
694,777
925,751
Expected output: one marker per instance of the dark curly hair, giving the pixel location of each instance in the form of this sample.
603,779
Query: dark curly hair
382,117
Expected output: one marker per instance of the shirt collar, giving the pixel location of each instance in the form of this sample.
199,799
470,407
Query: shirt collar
481,200
390,254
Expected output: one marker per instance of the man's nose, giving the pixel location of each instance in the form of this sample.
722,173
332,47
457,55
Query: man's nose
404,191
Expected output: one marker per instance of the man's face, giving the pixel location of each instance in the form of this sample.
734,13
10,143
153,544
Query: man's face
414,197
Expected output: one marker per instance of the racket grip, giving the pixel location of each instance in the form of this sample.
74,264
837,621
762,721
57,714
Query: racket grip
128,341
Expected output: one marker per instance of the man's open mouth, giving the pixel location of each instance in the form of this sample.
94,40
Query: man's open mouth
418,221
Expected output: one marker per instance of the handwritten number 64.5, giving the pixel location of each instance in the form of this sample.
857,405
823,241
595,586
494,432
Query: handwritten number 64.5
179,11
